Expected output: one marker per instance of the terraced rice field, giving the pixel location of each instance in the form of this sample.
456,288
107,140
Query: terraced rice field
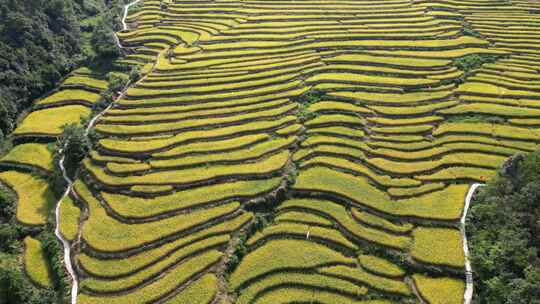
350,122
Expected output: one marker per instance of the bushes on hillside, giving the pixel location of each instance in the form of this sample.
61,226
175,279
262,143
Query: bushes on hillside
103,40
504,231
74,145
471,62
41,41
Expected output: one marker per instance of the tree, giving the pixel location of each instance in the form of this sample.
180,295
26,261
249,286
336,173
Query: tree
74,145
117,82
135,74
103,40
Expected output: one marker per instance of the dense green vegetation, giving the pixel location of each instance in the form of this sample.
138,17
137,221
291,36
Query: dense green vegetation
504,229
40,41
15,286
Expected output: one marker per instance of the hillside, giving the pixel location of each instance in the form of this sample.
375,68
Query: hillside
505,256
276,151
40,42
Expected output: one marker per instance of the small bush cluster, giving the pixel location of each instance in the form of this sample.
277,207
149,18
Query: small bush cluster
468,30
260,221
53,251
471,62
304,101
477,118
74,145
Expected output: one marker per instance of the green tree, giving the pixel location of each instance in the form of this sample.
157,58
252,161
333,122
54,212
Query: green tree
74,145
103,40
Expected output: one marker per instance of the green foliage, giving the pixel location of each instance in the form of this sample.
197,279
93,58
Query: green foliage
477,118
74,145
103,40
310,97
240,250
471,62
135,74
505,255
260,221
304,114
41,41
304,101
469,31
53,251
15,288
117,82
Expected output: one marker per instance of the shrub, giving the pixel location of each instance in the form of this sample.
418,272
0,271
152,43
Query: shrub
53,253
468,30
135,74
74,145
15,288
117,81
477,118
471,62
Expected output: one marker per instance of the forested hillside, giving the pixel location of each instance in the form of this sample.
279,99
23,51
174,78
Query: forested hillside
40,41
505,234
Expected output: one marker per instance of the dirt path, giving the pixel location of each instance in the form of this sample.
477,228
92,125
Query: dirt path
469,284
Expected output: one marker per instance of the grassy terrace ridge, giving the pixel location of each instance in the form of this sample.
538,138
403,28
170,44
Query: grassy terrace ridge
192,124
184,113
140,207
303,218
100,228
70,214
201,148
339,215
435,44
359,276
35,200
406,98
167,283
489,129
35,264
257,151
264,168
184,255
379,222
56,118
30,154
380,266
353,167
465,159
284,254
391,61
201,291
298,231
157,145
311,283
123,266
441,246
440,205
69,96
439,290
